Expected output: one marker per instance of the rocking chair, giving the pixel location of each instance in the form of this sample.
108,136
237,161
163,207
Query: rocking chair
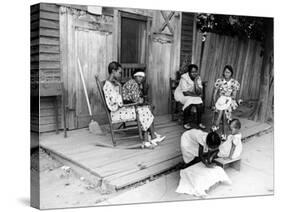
122,126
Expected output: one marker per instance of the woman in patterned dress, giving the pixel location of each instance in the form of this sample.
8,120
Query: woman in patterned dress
225,94
113,95
133,92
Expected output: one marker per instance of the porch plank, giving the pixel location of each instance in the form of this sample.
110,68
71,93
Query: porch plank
117,167
129,154
145,158
136,165
132,178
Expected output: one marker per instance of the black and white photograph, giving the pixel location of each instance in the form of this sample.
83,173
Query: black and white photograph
132,105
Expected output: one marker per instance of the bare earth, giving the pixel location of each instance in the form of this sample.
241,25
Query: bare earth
60,187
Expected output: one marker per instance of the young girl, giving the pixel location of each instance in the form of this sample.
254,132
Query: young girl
197,145
197,179
226,88
232,146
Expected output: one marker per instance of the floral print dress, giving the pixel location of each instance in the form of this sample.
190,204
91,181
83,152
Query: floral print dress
132,92
114,103
226,90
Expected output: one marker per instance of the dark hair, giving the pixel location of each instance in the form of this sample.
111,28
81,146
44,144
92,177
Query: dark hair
191,66
213,140
236,123
113,66
229,67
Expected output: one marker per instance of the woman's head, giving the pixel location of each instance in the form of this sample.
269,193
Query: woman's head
227,72
115,69
213,141
192,70
139,75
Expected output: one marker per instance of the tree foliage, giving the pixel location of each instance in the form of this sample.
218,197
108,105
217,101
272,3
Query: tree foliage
245,27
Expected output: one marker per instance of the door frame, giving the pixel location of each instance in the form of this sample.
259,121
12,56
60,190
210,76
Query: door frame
139,17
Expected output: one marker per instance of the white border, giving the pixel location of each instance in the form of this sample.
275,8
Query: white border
15,19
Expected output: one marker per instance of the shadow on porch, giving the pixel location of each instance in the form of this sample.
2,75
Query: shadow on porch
116,168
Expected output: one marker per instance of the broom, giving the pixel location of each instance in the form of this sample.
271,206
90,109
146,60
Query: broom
93,125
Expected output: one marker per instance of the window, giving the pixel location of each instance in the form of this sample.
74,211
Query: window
133,40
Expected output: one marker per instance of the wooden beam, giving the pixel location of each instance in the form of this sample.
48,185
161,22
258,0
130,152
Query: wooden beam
167,22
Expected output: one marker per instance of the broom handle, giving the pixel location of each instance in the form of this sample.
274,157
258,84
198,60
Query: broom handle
84,87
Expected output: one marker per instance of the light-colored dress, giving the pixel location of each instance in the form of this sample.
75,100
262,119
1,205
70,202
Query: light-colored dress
190,141
120,114
197,179
225,147
114,103
132,92
187,84
226,90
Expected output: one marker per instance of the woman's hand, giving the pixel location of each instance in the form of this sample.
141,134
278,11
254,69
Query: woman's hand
197,78
211,165
140,101
207,163
223,137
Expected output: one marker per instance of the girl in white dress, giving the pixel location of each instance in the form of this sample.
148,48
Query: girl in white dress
197,145
232,147
198,178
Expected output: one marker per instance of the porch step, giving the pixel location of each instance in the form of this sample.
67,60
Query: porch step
130,179
78,169
115,169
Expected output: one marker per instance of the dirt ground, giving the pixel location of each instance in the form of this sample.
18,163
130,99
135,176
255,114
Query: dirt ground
61,187
256,177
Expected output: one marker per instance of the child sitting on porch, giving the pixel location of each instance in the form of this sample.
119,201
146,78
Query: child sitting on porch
133,92
232,146
201,148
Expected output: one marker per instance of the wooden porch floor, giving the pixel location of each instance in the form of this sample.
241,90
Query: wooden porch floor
116,168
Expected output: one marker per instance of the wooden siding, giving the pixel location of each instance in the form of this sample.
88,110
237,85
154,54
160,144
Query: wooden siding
186,37
34,73
164,60
96,46
45,59
243,55
92,44
68,32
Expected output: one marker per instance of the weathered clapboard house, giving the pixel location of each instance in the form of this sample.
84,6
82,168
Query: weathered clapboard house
157,41
60,34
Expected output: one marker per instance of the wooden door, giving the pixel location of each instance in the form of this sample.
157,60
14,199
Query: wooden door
133,43
94,49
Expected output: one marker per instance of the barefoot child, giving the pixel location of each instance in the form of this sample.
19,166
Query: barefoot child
232,146
213,142
197,145
197,179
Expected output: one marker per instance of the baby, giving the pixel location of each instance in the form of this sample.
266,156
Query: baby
232,146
